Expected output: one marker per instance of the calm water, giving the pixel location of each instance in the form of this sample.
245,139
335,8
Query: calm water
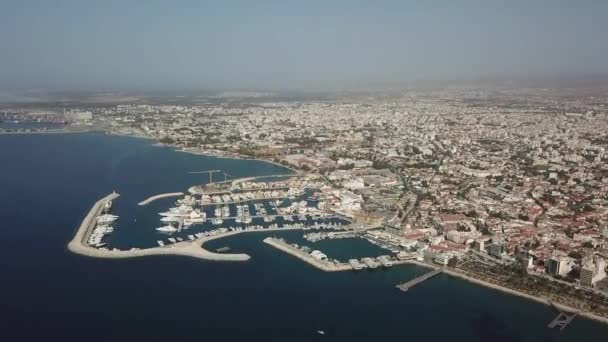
48,182
11,125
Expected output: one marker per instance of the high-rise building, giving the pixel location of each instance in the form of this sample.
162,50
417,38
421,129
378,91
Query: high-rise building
497,249
559,266
592,271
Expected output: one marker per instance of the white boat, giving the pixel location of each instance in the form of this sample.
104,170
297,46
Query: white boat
170,219
168,229
106,218
191,221
197,214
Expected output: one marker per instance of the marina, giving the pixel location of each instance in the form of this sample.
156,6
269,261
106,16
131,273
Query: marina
282,272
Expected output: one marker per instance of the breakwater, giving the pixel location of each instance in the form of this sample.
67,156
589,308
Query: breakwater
159,196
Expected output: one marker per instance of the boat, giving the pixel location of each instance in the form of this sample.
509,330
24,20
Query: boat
170,219
168,228
191,221
106,218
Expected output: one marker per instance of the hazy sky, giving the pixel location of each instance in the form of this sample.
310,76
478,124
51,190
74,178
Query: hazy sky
274,44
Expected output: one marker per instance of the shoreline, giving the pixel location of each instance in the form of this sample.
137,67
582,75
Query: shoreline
215,153
506,290
61,131
195,248
235,156
563,307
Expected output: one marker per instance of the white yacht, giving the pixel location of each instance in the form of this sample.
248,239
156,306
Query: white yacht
167,229
170,219
106,218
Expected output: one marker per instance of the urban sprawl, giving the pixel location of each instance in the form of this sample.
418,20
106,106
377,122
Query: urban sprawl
508,186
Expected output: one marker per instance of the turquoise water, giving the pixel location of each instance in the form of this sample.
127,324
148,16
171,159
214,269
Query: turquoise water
49,182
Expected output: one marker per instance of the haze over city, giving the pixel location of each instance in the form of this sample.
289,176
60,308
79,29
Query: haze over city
168,45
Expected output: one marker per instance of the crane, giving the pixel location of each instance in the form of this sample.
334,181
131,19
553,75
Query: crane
226,176
210,172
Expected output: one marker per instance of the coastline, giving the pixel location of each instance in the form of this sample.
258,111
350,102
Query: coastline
214,153
507,290
233,156
195,248
59,131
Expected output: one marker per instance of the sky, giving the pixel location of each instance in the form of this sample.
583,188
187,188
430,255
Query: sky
248,44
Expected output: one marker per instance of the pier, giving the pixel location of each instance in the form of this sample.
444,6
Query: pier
154,198
563,318
320,264
407,285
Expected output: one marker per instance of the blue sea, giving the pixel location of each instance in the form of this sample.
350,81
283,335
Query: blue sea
49,182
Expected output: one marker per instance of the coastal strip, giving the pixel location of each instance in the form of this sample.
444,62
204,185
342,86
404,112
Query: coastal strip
541,300
194,249
320,264
231,155
330,267
49,131
159,196
463,276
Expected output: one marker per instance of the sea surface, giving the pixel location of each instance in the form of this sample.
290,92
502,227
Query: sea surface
49,182
29,125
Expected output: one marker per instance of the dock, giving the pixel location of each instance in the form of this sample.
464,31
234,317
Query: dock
159,196
320,264
407,285
563,319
